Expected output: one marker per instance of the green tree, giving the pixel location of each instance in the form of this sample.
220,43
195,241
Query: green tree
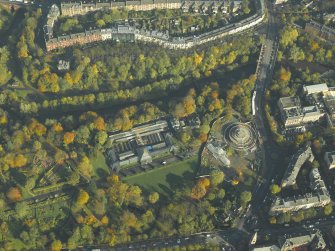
328,209
245,197
275,189
217,177
5,74
288,36
85,167
21,209
101,137
100,23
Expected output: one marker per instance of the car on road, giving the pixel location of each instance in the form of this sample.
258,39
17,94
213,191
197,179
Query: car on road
163,163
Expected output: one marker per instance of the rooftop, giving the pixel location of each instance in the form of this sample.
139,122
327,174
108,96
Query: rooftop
315,240
309,89
290,102
330,156
329,99
295,164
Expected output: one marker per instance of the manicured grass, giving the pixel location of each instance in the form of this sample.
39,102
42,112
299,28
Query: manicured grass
167,179
100,167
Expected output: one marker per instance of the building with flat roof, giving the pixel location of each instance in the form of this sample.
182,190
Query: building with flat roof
293,114
304,154
310,89
311,114
139,145
330,159
290,110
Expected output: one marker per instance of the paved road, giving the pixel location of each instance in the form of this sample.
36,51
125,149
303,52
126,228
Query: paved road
264,75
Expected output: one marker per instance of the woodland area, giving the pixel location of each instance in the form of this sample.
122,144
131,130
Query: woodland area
43,146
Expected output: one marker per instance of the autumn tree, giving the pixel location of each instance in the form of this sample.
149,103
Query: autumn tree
153,197
284,74
14,194
129,219
57,127
200,189
187,106
99,124
37,128
56,245
60,157
68,137
85,167
20,160
82,197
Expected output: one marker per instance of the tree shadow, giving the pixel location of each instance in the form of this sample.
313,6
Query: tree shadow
102,172
175,181
18,177
166,189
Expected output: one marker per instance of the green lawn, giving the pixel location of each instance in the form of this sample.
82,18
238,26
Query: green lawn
167,179
100,167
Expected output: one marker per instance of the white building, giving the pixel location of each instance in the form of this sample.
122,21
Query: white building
310,89
219,154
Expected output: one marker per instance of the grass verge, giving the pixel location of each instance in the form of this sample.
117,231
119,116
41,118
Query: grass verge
167,179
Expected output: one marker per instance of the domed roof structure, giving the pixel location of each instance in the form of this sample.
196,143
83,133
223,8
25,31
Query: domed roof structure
240,136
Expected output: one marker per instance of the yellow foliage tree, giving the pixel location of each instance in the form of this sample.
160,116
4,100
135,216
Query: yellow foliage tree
56,245
68,137
284,74
57,127
20,160
82,198
99,124
3,120
104,220
200,189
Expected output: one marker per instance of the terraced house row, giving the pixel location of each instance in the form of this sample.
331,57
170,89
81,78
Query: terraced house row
80,8
132,34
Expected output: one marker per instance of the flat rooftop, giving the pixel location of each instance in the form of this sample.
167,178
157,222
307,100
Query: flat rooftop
309,89
289,102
